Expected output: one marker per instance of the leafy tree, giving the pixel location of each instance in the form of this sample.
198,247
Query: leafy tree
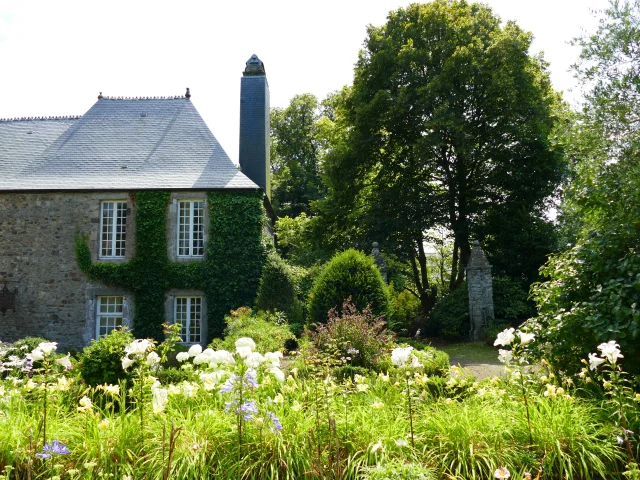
295,150
447,121
592,294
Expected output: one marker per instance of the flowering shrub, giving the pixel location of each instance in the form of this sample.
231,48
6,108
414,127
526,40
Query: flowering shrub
261,327
358,337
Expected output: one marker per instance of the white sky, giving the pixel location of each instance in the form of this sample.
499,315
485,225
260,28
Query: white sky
55,56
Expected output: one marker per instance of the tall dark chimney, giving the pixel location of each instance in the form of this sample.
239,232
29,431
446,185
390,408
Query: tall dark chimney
254,124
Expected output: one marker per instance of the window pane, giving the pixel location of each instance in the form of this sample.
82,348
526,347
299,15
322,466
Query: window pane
190,228
113,224
108,314
188,312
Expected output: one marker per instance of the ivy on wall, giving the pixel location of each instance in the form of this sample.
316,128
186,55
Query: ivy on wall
228,275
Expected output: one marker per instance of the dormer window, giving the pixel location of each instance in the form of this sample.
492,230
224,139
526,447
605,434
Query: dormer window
113,229
190,228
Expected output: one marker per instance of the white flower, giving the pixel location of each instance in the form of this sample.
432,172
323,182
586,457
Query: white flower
273,357
37,355
221,356
153,359
204,357
246,342
209,380
505,337
505,356
182,357
127,362
401,442
195,350
401,356
415,363
378,405
159,398
189,390
278,398
502,473
110,389
85,404
48,347
254,359
63,383
138,346
65,361
376,446
595,361
279,374
244,352
611,351
525,337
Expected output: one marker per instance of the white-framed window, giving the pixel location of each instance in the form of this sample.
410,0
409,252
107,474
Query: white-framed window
109,314
113,229
190,228
187,311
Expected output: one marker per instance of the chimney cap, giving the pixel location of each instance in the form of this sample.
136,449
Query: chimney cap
254,67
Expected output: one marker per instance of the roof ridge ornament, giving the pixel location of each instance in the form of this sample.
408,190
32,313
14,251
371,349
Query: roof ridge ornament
188,94
100,96
28,119
254,67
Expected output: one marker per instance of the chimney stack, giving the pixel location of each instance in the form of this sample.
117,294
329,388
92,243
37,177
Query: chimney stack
254,124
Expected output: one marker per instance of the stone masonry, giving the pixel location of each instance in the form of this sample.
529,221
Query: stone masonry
480,284
37,257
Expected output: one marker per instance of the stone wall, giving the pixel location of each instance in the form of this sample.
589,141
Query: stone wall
37,257
480,285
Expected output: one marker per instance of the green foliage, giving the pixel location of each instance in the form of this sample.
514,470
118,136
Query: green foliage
398,470
263,328
405,308
357,337
228,274
295,150
167,376
592,290
277,290
510,302
350,274
295,240
436,362
450,317
101,362
416,151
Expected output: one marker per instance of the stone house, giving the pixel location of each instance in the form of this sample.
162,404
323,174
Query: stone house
71,186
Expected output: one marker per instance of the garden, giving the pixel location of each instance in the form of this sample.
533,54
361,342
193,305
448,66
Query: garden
332,366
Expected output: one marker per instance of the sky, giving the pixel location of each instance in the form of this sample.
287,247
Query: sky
56,56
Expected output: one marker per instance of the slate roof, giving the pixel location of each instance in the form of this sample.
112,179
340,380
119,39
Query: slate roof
119,144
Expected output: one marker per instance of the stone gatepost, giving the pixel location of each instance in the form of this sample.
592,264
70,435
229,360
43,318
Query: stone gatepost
379,261
480,286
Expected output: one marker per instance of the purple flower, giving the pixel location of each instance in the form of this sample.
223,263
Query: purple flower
275,421
247,409
353,351
228,405
250,380
228,385
53,448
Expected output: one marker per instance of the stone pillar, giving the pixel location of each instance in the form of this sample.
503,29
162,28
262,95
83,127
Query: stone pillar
379,261
480,286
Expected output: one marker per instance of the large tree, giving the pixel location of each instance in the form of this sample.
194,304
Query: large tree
593,291
295,151
448,125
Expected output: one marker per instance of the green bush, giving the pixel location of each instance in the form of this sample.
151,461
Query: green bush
398,470
263,328
25,345
405,308
358,336
449,318
277,290
436,362
350,274
174,376
101,362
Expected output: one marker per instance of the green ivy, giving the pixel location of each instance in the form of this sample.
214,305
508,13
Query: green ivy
228,275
